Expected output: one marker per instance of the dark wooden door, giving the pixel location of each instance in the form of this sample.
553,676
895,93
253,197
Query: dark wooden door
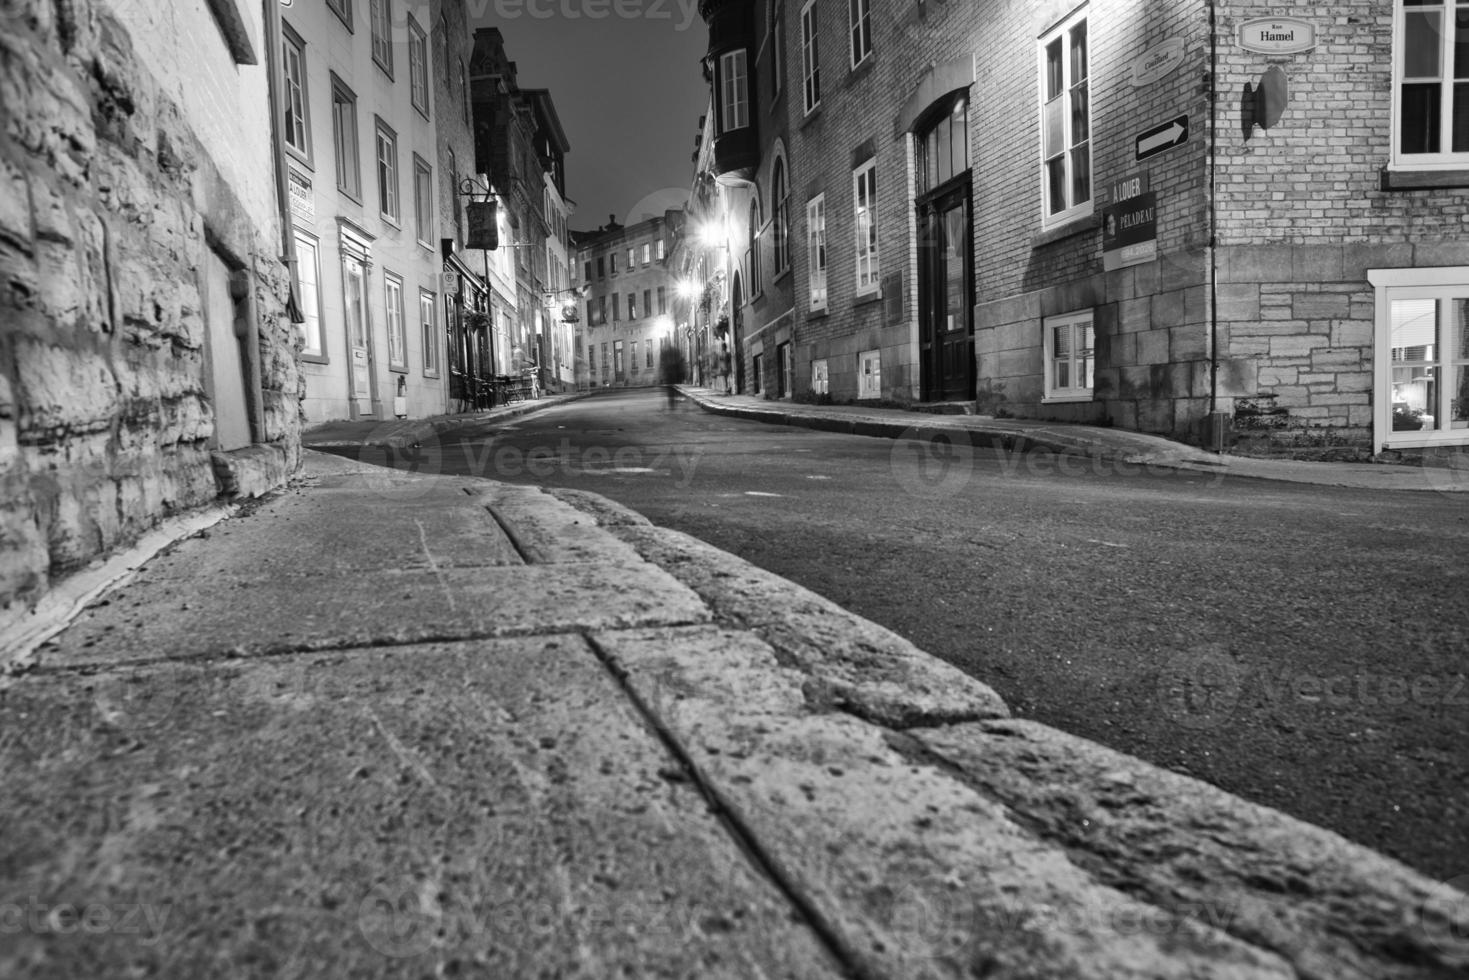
945,298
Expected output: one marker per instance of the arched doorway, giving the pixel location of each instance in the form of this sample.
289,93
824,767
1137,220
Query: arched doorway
736,319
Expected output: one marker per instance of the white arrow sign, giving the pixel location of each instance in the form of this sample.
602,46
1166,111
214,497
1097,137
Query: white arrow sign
1163,137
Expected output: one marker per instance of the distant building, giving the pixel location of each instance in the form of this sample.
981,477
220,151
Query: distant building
1108,213
628,299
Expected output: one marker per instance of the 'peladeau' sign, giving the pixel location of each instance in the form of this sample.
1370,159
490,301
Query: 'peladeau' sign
1277,35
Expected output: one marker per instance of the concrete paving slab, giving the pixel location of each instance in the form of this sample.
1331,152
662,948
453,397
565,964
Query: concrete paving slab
155,616
1334,910
866,668
486,809
914,874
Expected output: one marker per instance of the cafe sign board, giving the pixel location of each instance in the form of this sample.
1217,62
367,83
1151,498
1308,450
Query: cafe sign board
1277,35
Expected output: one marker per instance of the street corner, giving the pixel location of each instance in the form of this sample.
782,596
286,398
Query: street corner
1443,920
932,464
1199,688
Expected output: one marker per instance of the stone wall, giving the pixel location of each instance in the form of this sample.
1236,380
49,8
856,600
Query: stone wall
109,206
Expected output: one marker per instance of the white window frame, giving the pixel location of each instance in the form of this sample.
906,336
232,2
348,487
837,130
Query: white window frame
1444,159
386,144
864,214
418,70
1069,322
734,91
816,251
1440,283
660,250
428,322
298,104
380,15
1062,127
308,290
647,252
632,257
820,377
869,374
397,335
859,19
810,58
423,201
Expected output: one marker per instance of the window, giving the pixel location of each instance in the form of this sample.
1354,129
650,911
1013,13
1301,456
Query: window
632,258
632,306
660,250
1431,98
632,356
755,284
464,88
1422,356
860,18
617,357
381,16
820,379
591,313
650,354
781,206
387,172
428,305
592,358
1065,123
418,65
816,250
423,200
344,135
615,316
864,204
647,253
602,309
298,123
734,96
589,270
397,339
343,9
810,63
943,148
1068,354
647,302
601,268
777,50
662,300
612,259
308,288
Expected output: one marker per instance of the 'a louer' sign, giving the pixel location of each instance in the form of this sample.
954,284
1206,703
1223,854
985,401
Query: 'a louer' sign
1277,35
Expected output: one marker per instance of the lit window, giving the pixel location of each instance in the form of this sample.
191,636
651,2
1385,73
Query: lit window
1066,123
860,18
660,250
810,59
298,123
381,16
864,204
308,280
734,97
418,65
397,340
1422,356
647,253
1431,77
632,306
428,323
755,284
816,250
1069,356
387,172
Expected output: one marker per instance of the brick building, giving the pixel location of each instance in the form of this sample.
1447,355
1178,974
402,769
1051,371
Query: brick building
628,292
1179,219
147,362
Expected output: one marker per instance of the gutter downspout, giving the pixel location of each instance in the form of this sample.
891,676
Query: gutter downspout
1216,424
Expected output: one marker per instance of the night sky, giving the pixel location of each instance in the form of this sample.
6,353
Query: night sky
625,78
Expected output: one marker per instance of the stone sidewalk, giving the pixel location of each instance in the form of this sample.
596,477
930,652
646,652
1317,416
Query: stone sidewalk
381,724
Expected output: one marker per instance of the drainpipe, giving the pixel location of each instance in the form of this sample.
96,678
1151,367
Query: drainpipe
273,35
1215,433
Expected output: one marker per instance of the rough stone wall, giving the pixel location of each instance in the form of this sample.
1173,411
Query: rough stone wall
110,204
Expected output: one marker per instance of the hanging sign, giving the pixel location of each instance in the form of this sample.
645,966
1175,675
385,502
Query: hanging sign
1277,35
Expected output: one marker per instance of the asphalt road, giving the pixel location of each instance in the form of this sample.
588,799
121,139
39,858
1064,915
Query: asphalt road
1301,646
